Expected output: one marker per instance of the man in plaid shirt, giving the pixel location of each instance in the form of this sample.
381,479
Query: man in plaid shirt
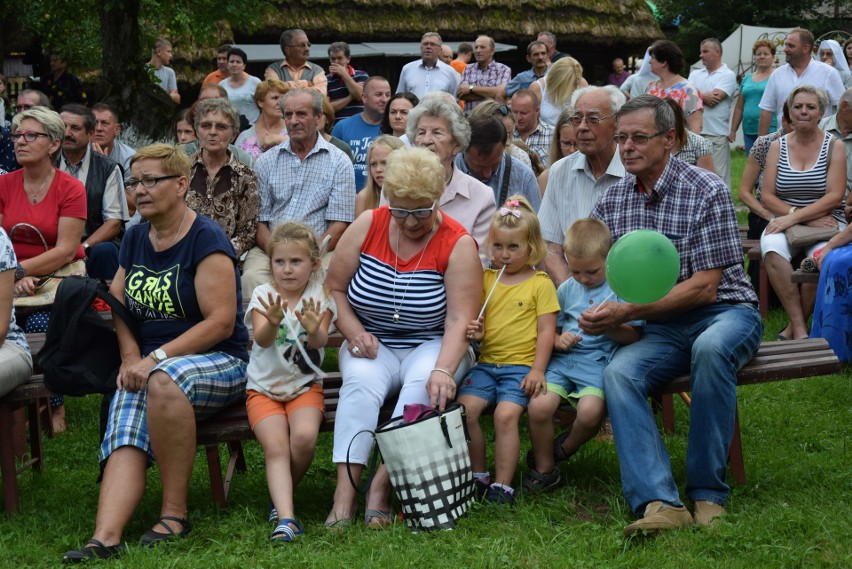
302,179
708,325
484,79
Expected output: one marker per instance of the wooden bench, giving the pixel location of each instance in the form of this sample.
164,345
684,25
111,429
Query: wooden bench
775,361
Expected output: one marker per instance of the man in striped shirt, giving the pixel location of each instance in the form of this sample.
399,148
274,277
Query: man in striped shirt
576,181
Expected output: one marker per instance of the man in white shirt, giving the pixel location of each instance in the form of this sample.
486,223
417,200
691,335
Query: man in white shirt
429,73
576,181
800,69
717,85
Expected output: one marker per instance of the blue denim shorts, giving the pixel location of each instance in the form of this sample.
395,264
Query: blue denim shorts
496,382
575,374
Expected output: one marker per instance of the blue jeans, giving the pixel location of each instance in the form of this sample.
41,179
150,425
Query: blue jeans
748,141
712,343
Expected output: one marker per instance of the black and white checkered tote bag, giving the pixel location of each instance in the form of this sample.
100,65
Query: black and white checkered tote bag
429,466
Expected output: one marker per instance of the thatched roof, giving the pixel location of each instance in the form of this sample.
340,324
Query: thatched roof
602,22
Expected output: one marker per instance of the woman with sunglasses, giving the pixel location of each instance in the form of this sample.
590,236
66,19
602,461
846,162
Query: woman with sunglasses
37,202
407,280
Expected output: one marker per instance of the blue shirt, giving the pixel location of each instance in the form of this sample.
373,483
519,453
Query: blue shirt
522,80
359,135
8,161
522,180
159,287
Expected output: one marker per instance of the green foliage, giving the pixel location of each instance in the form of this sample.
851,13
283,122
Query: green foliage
718,18
73,29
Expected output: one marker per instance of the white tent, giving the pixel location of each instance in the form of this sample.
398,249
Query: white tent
736,48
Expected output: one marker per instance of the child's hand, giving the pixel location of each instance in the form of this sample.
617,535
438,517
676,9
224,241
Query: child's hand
273,308
476,330
566,341
309,316
534,384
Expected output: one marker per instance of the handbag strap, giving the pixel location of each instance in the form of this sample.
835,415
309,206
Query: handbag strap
372,464
504,186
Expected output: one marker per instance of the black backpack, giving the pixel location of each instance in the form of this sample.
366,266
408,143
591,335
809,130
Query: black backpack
81,355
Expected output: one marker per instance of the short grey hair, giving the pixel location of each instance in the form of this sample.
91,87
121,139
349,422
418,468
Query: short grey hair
49,119
664,117
714,42
846,97
316,99
43,100
432,35
821,95
616,97
216,105
435,104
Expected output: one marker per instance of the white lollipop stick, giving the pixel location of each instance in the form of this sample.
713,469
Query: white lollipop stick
487,298
602,302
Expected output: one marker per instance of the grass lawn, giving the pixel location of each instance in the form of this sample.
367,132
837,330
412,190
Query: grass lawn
794,510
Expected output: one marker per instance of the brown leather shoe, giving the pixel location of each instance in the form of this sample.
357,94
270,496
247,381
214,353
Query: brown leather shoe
660,516
707,513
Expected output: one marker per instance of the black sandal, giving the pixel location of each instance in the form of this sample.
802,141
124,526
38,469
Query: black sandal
559,454
537,483
93,549
152,538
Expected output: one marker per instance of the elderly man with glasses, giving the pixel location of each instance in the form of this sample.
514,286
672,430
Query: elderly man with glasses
295,69
707,326
576,181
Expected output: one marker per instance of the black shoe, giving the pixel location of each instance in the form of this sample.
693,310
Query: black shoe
153,538
559,454
93,549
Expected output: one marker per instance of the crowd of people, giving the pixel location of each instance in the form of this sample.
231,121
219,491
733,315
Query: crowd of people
453,228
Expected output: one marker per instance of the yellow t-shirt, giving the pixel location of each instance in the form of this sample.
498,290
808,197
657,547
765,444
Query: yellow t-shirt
511,318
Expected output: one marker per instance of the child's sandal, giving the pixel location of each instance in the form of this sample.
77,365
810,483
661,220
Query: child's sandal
559,454
283,533
537,483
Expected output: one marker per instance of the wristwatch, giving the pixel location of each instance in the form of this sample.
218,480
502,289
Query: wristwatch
20,272
158,355
792,210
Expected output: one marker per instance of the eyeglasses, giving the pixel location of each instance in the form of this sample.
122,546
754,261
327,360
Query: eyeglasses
303,45
638,139
21,108
28,136
591,120
421,213
504,110
148,181
214,125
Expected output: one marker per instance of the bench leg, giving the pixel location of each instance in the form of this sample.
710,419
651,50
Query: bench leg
8,470
735,455
764,286
667,406
217,485
36,448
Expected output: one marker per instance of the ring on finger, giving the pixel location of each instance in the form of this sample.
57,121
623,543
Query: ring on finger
356,351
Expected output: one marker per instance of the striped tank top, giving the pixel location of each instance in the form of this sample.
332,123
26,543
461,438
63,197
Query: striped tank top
384,284
801,188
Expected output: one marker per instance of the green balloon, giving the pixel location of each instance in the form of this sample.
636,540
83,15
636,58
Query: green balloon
642,266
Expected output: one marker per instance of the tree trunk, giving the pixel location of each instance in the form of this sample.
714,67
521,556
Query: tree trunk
128,86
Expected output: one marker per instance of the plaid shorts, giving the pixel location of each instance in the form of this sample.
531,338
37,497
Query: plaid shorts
210,381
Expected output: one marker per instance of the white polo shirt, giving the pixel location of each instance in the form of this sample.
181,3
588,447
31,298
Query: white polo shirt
785,79
717,120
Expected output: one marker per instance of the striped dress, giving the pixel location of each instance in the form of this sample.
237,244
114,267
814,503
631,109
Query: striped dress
801,188
384,284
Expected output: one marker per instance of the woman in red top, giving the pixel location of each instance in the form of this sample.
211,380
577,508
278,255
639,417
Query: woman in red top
41,196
